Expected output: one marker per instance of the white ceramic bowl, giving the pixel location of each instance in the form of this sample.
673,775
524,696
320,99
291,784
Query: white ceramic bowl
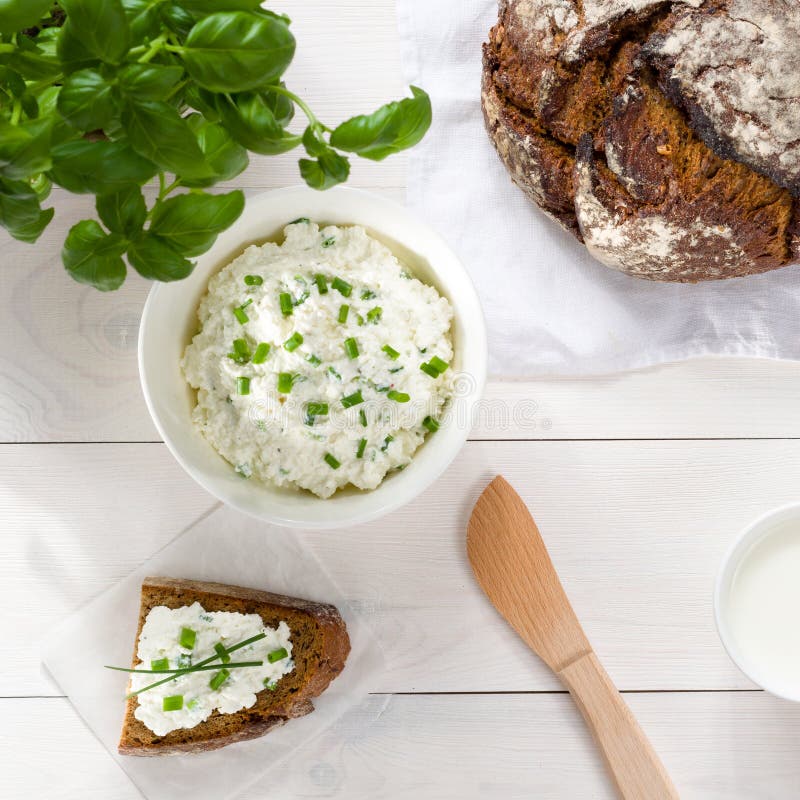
774,523
169,321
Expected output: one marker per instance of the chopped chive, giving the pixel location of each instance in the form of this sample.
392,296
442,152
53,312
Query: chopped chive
362,446
359,319
351,348
431,424
159,664
429,370
362,416
187,638
374,314
391,352
240,315
439,365
253,280
334,374
343,287
293,342
172,703
396,369
398,397
243,385
344,310
287,306
333,464
285,382
386,442
279,654
368,294
270,685
322,284
261,353
352,399
220,650
328,241
241,351
313,360
219,679
299,220
246,303
317,409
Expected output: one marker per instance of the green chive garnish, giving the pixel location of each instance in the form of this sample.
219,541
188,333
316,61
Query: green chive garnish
322,284
253,280
220,650
187,638
362,416
362,446
261,353
278,655
330,240
391,352
439,365
219,679
313,360
243,385
269,685
297,221
241,351
343,312
351,348
374,314
398,397
317,409
173,703
386,442
285,300
352,399
285,382
343,287
240,315
359,319
159,664
334,374
333,464
431,424
368,294
429,370
293,342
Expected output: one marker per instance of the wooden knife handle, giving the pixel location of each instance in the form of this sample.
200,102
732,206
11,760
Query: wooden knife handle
634,765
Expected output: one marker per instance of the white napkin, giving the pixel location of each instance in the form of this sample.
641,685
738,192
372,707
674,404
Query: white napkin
551,309
230,548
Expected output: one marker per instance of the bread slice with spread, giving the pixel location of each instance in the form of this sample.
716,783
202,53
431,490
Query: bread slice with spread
293,649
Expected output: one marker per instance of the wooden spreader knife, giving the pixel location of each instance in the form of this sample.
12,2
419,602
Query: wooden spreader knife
513,567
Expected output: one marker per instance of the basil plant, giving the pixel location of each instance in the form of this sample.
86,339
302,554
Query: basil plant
104,96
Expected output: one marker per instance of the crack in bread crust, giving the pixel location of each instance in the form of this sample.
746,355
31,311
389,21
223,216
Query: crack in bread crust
650,161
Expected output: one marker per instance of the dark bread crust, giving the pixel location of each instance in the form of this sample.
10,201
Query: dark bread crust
320,649
650,191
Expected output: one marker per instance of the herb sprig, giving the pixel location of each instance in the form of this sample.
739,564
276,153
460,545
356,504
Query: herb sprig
102,96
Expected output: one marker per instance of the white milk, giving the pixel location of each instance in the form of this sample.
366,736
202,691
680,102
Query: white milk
764,605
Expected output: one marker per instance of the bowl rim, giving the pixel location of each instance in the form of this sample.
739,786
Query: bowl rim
756,531
394,500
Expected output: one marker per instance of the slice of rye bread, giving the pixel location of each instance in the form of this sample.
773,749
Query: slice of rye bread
320,645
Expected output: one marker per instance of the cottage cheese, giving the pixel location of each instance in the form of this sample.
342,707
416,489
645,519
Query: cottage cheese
160,638
268,433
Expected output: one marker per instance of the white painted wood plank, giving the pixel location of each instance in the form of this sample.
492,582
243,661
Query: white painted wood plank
636,529
717,746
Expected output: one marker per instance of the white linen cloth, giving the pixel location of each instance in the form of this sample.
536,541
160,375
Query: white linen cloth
551,309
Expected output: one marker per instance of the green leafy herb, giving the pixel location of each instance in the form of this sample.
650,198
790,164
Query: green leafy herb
344,310
352,399
261,353
362,446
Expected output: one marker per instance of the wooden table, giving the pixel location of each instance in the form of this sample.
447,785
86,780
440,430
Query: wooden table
638,481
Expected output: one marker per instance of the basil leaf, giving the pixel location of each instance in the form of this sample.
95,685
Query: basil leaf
24,149
313,142
86,101
224,156
100,26
123,212
211,6
192,222
93,256
99,167
20,212
16,15
150,81
143,19
72,53
154,258
158,132
177,19
280,105
234,51
392,128
203,101
327,171
249,119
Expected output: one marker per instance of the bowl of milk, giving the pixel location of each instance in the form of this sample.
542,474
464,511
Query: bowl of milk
757,602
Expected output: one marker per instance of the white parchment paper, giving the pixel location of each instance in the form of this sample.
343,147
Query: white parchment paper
230,548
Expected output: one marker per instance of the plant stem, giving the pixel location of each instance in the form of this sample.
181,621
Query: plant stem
156,46
312,117
16,112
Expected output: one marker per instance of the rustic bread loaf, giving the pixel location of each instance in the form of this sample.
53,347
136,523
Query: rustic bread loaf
663,134
320,647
